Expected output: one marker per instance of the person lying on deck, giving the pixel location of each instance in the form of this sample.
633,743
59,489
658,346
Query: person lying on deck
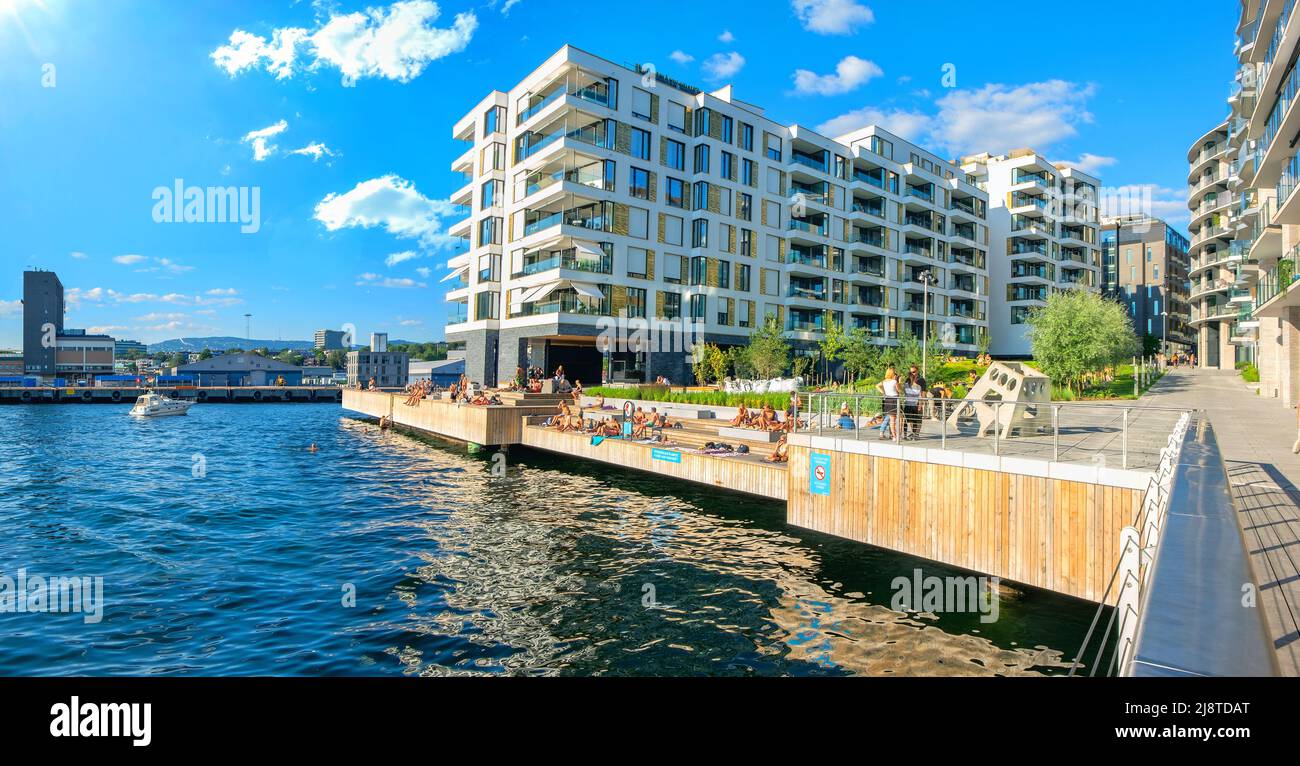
742,416
779,454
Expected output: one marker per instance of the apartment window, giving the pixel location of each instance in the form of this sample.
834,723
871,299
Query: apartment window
775,182
724,275
700,233
675,154
772,147
675,192
699,307
773,213
702,158
747,137
676,117
724,200
745,209
727,128
742,277
673,269
1155,273
493,120
672,308
489,268
492,193
771,282
727,168
493,157
747,172
702,118
1019,314
485,305
638,223
700,191
637,262
742,313
641,104
636,302
1133,273
639,183
640,144
489,231
773,247
1148,255
699,270
746,242
672,229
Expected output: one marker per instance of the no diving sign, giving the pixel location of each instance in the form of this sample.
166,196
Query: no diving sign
819,474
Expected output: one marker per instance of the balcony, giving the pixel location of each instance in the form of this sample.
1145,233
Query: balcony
967,256
594,217
808,161
815,258
588,87
874,178
806,293
875,208
588,131
565,302
925,193
809,226
865,237
596,174
572,259
1017,293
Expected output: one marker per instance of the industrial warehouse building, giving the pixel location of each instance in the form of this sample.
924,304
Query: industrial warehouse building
244,369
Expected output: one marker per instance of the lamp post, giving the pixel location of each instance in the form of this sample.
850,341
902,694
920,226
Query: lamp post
926,279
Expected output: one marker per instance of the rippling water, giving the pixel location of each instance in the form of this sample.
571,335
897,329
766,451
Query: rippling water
549,570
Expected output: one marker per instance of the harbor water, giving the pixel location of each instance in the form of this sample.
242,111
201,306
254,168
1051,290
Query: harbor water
225,547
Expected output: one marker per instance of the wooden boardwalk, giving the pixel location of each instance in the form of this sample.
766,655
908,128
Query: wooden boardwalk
1255,436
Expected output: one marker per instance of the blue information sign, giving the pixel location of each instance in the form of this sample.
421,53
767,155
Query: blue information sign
666,455
819,474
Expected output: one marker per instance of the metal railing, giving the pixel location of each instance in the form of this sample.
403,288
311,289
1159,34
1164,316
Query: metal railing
1128,436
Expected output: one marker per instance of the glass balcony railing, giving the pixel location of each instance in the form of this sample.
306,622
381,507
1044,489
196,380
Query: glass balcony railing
808,161
875,240
875,179
808,226
603,265
920,193
566,303
807,293
805,258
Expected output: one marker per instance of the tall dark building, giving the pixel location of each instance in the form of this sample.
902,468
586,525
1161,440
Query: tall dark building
42,305
1145,267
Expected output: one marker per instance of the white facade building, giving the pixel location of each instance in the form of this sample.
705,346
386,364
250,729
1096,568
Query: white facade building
1044,218
595,193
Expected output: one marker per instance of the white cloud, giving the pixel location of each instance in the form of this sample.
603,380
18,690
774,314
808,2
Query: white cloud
80,256
394,43
832,17
127,260
106,329
997,118
507,5
1088,163
909,125
850,73
10,309
375,280
315,150
396,258
424,271
222,291
411,322
261,140
726,36
391,202
720,66
681,57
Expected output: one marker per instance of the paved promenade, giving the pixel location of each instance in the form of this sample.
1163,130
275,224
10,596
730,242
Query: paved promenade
1255,436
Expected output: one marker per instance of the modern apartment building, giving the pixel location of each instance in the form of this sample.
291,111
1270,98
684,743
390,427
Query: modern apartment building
599,196
1220,250
1044,219
42,305
1262,319
124,348
1145,268
389,369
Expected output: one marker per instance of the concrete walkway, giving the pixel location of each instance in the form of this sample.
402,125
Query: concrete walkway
1255,436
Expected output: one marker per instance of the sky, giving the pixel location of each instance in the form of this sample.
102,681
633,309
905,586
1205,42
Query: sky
338,117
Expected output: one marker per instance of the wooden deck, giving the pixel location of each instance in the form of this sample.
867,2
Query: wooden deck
500,425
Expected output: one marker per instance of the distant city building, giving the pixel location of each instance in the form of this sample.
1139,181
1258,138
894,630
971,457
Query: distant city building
242,369
388,369
330,340
80,356
42,305
1145,267
124,348
11,364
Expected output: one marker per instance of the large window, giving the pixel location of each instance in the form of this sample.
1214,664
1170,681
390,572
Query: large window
489,231
727,168
699,307
724,275
700,191
637,262
677,117
747,137
485,305
492,194
640,144
772,146
702,158
675,192
494,120
674,229
675,154
742,277
699,270
636,302
673,269
672,308
640,103
639,185
745,209
699,233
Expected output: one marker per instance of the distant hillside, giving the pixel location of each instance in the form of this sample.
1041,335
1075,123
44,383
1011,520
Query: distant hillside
226,343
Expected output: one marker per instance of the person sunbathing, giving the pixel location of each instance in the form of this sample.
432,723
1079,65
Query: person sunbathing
561,420
766,418
779,455
742,416
638,424
610,427
600,401
481,400
577,392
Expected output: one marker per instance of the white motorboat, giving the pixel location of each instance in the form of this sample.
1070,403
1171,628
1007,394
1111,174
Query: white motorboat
153,405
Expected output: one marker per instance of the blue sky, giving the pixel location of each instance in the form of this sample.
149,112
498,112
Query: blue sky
340,113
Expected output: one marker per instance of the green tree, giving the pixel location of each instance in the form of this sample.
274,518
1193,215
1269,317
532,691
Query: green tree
861,355
738,360
831,344
336,359
1079,332
205,354
769,352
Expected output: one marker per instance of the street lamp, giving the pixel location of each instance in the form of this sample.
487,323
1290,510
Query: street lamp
926,279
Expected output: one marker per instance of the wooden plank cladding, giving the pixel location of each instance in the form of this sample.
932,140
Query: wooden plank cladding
1040,530
751,476
467,423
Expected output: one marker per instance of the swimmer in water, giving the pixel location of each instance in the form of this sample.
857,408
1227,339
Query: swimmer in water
313,448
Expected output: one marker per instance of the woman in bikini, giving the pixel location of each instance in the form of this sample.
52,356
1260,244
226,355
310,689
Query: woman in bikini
742,416
779,454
